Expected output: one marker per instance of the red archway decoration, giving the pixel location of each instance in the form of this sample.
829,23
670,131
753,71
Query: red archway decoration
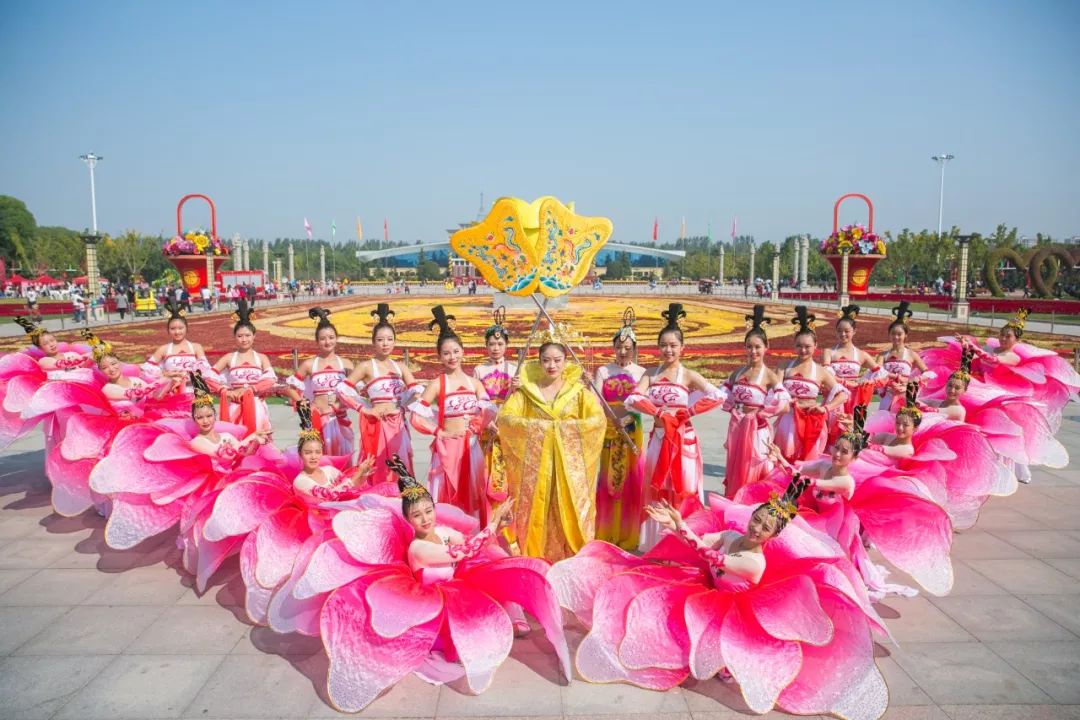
836,211
213,214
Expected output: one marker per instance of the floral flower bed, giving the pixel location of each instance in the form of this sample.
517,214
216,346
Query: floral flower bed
195,242
856,239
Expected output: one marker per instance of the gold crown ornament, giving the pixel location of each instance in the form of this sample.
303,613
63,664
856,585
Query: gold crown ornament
100,348
307,432
1018,321
34,331
203,397
558,333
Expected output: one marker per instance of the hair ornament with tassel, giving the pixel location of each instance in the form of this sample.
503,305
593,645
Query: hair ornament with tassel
100,348
203,396
307,430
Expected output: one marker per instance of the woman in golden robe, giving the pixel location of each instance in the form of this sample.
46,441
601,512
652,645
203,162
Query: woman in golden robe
552,432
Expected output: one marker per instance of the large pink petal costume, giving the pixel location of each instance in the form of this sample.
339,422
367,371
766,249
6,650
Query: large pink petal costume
911,531
261,513
152,476
21,376
657,619
379,622
1004,405
1042,375
953,462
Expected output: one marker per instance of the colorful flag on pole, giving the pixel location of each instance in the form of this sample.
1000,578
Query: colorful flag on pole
655,229
734,227
333,230
682,229
307,228
386,230
359,230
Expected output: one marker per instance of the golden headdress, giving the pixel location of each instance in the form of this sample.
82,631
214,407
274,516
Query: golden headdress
307,432
785,507
34,331
203,395
408,486
560,334
902,312
444,322
98,347
1017,323
966,356
911,407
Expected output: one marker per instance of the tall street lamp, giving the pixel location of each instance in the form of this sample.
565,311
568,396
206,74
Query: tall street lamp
91,240
941,160
91,160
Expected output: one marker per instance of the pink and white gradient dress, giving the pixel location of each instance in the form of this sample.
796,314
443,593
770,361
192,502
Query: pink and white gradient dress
799,640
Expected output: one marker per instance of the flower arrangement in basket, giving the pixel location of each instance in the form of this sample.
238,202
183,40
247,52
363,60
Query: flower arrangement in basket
856,239
195,242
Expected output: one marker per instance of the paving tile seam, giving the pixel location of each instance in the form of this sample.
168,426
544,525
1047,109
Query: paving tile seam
944,608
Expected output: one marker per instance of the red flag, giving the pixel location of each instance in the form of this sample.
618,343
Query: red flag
386,230
655,228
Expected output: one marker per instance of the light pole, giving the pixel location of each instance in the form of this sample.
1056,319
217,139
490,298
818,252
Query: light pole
941,160
91,160
92,282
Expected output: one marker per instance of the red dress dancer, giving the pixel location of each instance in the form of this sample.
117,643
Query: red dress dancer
316,381
180,356
246,377
455,410
753,394
899,364
853,368
381,397
802,431
673,464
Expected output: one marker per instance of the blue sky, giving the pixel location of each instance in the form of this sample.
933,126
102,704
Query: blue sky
767,111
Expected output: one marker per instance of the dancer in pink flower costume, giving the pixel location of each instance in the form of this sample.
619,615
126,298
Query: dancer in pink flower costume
92,418
23,373
952,461
1016,427
408,591
156,474
271,513
910,530
750,593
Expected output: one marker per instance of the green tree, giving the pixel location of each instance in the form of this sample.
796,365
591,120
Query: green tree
125,256
57,247
17,228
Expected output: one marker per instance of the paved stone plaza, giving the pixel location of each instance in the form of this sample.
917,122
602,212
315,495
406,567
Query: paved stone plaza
87,632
